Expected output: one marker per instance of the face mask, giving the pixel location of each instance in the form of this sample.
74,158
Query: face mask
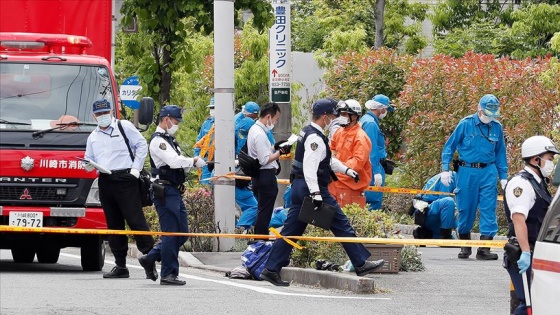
171,130
485,119
382,115
328,126
212,112
547,169
341,120
269,124
104,120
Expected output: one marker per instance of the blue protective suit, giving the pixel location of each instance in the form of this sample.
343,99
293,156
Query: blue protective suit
370,124
206,126
441,211
242,126
244,197
476,185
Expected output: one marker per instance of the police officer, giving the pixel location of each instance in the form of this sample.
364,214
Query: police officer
479,140
244,196
261,147
378,108
311,173
435,214
527,199
351,146
119,191
168,167
206,174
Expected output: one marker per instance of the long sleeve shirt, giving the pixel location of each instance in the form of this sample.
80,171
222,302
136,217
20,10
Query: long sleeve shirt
370,124
352,146
163,153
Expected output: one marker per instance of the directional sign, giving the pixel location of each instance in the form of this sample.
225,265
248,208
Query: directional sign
129,92
280,65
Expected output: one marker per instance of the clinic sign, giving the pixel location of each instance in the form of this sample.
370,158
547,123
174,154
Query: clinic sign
129,92
280,49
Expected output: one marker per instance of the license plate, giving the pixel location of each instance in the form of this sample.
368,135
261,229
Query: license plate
26,219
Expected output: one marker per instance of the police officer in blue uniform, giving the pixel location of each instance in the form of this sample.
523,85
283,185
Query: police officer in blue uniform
168,168
311,174
206,174
526,202
435,214
479,140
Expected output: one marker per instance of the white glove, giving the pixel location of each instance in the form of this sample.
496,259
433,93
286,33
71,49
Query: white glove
200,162
87,166
134,172
317,201
377,180
236,163
445,178
350,172
503,182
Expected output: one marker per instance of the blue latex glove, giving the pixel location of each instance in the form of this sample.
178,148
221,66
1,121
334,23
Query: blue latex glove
524,262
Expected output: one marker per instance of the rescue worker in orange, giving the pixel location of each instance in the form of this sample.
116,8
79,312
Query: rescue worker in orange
351,145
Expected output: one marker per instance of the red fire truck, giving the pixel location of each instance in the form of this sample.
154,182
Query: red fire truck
48,83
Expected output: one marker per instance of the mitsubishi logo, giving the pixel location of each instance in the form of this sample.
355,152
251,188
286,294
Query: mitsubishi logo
27,163
25,195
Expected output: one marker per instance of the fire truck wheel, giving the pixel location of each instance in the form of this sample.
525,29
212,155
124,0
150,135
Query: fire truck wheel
48,254
23,255
93,254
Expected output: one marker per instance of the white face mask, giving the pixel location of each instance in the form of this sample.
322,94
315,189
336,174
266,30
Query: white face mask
171,130
104,120
341,120
382,115
547,169
269,124
485,119
328,126
212,112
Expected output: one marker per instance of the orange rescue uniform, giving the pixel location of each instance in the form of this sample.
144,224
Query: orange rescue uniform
351,146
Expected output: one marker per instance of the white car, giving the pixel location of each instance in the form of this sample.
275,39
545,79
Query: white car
545,289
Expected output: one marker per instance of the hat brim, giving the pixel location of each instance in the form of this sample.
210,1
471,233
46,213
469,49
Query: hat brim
492,113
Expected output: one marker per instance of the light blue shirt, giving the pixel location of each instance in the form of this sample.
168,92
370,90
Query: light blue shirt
434,184
477,142
206,126
108,148
370,124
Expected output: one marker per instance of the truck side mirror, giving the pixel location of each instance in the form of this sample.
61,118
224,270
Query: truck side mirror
146,111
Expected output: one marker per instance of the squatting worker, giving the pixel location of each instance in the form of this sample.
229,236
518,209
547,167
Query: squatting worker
378,108
311,174
260,146
526,202
351,146
119,191
168,168
479,140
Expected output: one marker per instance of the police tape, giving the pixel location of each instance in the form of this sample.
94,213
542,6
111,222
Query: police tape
291,239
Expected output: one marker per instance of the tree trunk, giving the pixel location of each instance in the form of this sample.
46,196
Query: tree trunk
165,83
379,23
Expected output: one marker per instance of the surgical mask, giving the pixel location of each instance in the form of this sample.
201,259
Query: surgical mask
382,115
547,169
341,120
269,124
104,120
212,112
171,130
328,126
485,119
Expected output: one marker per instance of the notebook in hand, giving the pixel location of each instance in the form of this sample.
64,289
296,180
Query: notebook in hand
321,218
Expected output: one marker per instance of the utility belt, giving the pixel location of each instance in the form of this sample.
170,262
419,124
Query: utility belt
180,187
473,165
513,252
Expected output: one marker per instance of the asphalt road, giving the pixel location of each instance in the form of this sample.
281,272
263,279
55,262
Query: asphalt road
448,286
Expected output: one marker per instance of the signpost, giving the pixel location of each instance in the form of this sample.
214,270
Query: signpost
280,63
129,92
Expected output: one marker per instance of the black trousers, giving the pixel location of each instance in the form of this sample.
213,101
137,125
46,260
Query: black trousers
265,188
120,199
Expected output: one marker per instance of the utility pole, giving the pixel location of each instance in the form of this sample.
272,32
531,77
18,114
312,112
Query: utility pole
224,189
280,73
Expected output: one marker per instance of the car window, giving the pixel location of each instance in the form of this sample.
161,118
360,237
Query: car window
550,231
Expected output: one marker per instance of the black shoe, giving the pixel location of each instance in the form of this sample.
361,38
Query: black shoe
483,253
171,280
117,272
149,268
274,278
369,267
465,253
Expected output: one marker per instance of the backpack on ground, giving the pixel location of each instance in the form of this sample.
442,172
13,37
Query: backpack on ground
255,256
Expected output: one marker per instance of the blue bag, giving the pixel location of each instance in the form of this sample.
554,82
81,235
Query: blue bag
255,256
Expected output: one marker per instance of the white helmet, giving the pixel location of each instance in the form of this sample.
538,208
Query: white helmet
350,106
537,145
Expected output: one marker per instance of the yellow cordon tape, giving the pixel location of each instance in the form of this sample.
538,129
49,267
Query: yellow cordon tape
290,239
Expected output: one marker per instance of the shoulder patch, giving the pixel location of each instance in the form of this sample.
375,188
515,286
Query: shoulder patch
517,191
314,146
163,146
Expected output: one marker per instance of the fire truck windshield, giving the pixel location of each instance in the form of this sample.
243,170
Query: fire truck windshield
41,96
